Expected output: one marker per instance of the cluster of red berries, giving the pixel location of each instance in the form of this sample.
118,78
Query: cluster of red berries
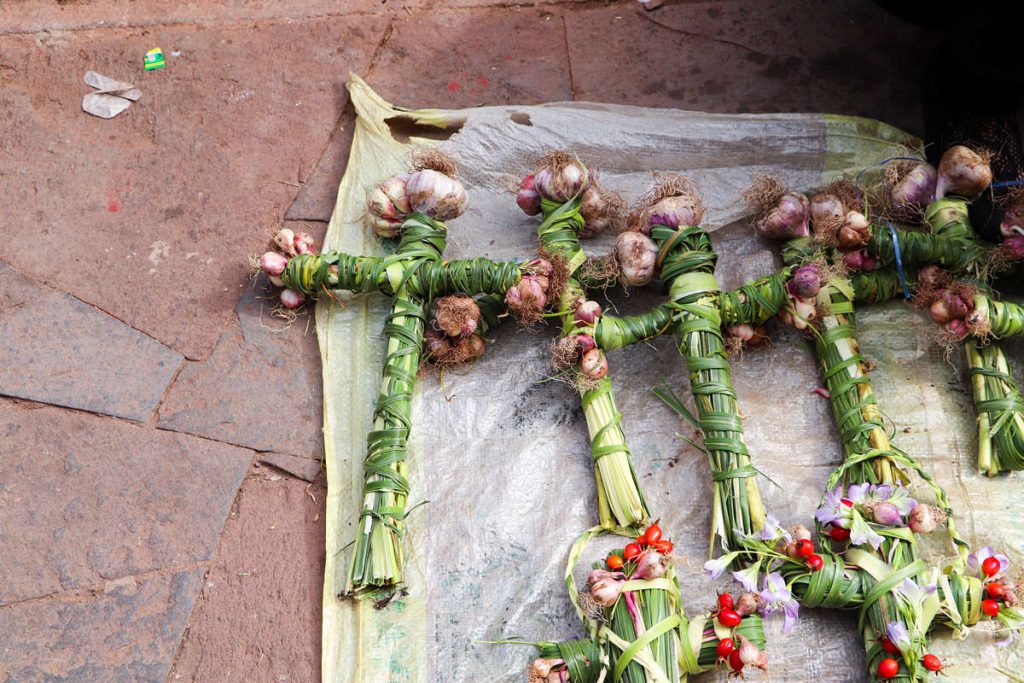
727,649
995,591
889,667
805,551
650,539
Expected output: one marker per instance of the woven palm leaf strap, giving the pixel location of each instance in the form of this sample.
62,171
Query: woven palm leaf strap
755,302
620,500
377,560
687,270
1000,407
615,332
1004,318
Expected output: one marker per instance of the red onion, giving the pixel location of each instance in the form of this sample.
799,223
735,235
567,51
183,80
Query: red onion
386,227
584,342
563,177
285,241
932,277
806,281
542,670
924,518
962,172
803,313
854,233
596,210
637,256
916,188
457,315
677,211
528,198
949,306
436,346
800,533
1013,219
587,313
526,296
468,348
605,591
389,199
538,266
827,210
787,219
273,263
748,604
743,331
594,364
957,328
1013,247
858,260
436,195
652,565
887,514
304,244
291,298
750,655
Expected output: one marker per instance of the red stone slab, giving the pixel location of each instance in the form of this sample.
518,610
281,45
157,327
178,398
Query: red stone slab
85,499
260,389
149,215
126,631
56,349
464,59
319,192
843,57
259,614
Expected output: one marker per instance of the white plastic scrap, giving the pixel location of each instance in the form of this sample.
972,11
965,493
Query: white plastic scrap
110,98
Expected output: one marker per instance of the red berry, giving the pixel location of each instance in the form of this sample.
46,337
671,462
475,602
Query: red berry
653,534
931,662
990,607
847,502
838,533
735,662
890,646
990,566
729,617
664,547
630,551
815,563
888,667
640,540
995,591
804,548
614,562
725,647
725,601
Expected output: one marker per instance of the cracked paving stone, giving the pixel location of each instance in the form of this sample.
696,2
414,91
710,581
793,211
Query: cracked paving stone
303,468
320,190
453,59
259,613
126,633
151,215
261,388
737,57
56,349
87,499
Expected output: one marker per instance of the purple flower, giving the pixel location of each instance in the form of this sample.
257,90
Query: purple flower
748,577
898,634
771,531
975,560
915,593
861,532
900,497
717,567
775,596
833,510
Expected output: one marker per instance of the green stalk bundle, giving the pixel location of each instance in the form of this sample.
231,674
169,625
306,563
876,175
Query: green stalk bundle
414,275
621,502
669,646
757,301
617,332
687,270
1000,407
871,458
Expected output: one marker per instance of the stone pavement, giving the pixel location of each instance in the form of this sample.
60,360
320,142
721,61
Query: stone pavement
160,490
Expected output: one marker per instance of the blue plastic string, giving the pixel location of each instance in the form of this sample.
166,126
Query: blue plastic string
1008,183
899,260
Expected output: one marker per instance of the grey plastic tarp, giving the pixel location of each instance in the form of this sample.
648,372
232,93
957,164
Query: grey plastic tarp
501,454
